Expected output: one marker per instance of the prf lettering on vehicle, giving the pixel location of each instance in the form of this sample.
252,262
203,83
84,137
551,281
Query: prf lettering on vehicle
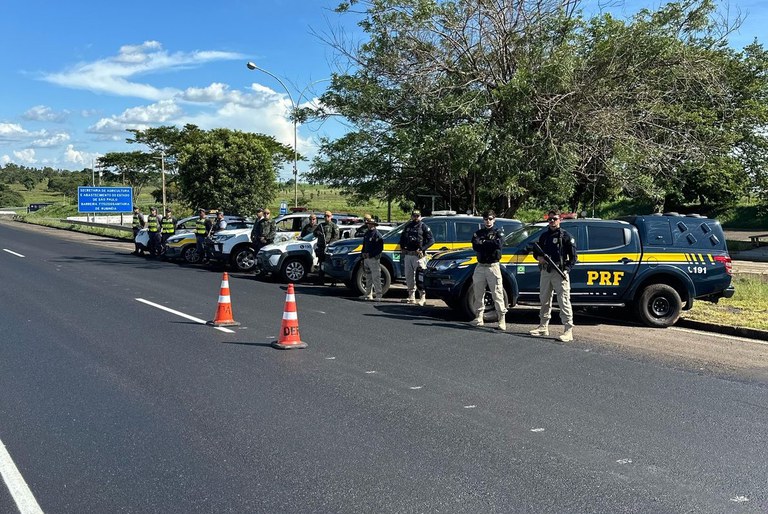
604,278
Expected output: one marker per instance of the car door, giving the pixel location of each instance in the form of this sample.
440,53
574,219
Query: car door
607,260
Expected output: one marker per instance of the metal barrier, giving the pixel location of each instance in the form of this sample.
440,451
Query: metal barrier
121,228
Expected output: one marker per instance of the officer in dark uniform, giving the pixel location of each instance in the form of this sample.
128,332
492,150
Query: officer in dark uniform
560,246
154,222
138,224
202,230
168,228
268,229
487,242
373,246
310,227
256,230
326,232
414,242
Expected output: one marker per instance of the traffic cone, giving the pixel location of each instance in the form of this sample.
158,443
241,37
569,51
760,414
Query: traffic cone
224,311
289,329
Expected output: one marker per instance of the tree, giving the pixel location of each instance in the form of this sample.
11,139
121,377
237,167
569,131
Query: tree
234,170
501,103
136,169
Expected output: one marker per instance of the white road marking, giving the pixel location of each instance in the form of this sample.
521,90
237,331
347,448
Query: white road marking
721,336
470,406
740,499
25,500
370,372
415,387
186,316
537,430
624,461
12,252
330,358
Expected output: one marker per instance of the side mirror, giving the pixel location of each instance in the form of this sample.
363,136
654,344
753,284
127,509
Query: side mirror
529,248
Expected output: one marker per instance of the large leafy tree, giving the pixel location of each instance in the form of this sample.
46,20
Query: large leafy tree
506,102
233,170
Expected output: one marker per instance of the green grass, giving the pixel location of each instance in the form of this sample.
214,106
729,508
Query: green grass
748,307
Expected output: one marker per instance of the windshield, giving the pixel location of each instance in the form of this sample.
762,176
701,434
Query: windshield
394,234
309,237
520,235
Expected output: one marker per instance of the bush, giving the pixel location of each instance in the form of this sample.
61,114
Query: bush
9,198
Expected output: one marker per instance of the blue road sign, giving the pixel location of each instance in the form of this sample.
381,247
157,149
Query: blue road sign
283,208
104,199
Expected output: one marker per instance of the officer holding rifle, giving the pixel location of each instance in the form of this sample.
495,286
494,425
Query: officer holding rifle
556,254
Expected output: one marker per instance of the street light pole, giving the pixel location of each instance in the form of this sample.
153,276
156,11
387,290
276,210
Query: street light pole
295,107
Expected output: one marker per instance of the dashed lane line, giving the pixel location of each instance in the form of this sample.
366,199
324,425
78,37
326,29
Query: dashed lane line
25,500
181,314
12,252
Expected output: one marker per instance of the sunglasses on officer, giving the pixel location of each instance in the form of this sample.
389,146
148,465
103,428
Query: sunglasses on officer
553,218
490,218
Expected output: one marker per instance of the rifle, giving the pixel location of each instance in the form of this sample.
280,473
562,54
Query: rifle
549,260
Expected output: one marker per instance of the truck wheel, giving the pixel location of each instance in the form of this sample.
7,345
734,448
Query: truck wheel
659,306
358,285
293,270
243,259
468,309
189,254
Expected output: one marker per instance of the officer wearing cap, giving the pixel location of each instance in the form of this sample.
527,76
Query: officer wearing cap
310,226
202,229
415,239
560,246
373,246
137,224
168,228
487,242
326,232
154,222
256,230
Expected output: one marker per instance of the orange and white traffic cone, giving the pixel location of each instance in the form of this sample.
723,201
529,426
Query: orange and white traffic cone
289,329
224,311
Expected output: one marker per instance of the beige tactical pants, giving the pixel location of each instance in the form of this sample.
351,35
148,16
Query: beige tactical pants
372,268
410,268
489,274
549,282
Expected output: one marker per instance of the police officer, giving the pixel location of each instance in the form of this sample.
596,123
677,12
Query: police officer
373,246
202,229
560,246
414,242
168,228
256,230
137,224
154,222
487,243
310,227
268,229
326,232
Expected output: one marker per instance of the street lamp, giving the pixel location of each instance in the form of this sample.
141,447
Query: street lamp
294,106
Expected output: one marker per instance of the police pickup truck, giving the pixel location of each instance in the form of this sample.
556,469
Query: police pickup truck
657,264
451,232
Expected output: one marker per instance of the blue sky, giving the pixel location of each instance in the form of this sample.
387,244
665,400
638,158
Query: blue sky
77,74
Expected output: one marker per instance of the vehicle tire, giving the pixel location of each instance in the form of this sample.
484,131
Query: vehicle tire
190,255
243,259
659,306
293,270
358,284
467,305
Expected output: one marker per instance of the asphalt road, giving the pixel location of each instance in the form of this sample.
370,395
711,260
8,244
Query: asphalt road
110,404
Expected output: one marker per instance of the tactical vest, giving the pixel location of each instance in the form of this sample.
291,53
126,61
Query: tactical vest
169,226
152,224
200,229
413,236
136,221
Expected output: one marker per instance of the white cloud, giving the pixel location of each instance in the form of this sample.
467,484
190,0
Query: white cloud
26,156
113,75
5,159
141,118
54,140
79,157
44,113
15,132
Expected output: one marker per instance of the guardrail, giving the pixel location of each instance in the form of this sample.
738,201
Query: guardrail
121,228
